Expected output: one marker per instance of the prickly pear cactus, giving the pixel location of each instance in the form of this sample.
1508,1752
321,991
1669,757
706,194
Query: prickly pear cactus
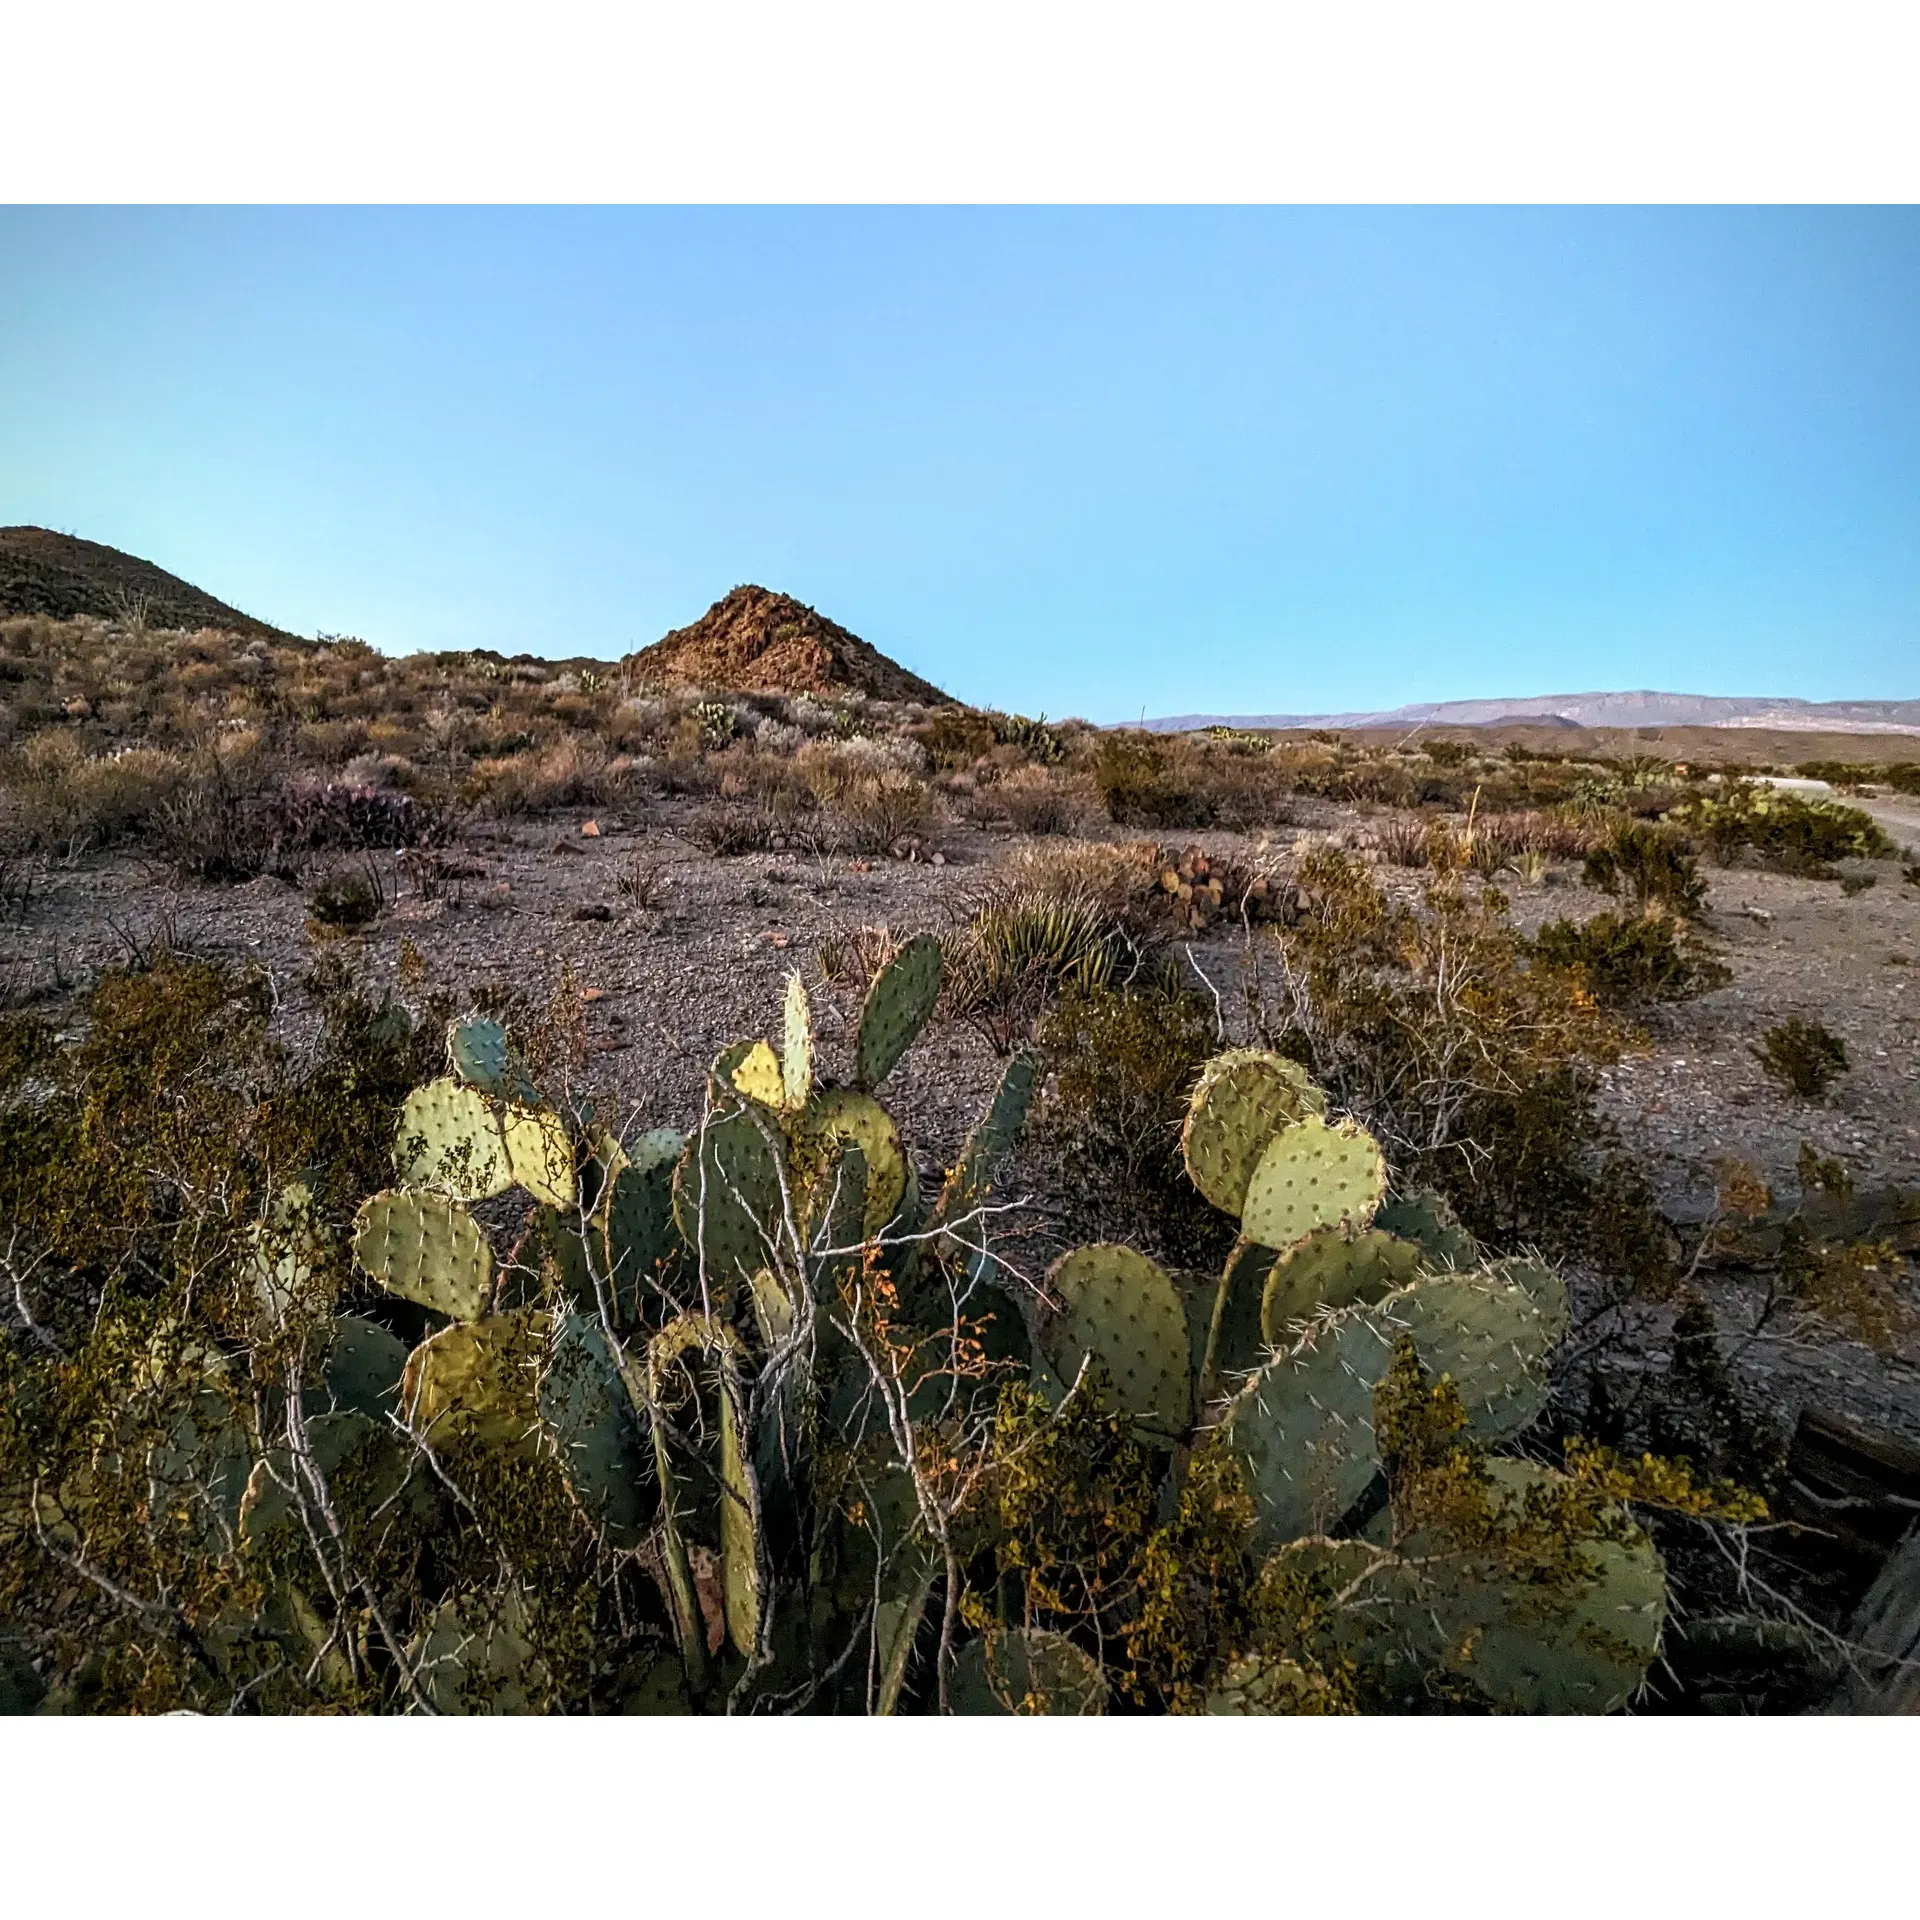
450,1139
361,1370
1010,1670
987,1146
1588,1651
1493,1339
478,1053
796,1054
1332,1269
425,1249
897,1005
757,1073
396,1484
1311,1175
1118,1307
1302,1427
739,1533
637,1211
479,1381
1243,1098
474,1656
832,1122
589,1413
1425,1218
1260,1684
726,1197
284,1251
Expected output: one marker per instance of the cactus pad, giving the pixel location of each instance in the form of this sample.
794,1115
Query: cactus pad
897,1005
1331,1269
1011,1670
1589,1653
1491,1338
1117,1307
477,1052
1310,1176
739,1533
425,1249
796,1052
637,1218
993,1137
361,1372
478,1381
1242,1100
589,1413
1425,1218
348,1445
1542,1285
1265,1683
539,1155
474,1656
726,1197
1302,1427
449,1138
757,1074
842,1118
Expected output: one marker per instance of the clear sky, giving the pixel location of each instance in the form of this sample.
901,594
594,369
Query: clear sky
1097,461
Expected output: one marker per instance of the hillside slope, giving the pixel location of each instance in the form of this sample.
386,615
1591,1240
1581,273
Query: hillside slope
63,577
757,641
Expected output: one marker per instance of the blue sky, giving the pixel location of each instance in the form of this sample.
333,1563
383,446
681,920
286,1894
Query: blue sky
1097,461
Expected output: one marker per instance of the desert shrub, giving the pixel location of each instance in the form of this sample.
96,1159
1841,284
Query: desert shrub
1123,1064
956,737
1022,943
1447,753
876,811
1403,840
1036,801
1140,785
1628,960
324,816
731,828
1904,776
569,772
346,899
1783,830
1803,1056
1034,739
67,799
1651,865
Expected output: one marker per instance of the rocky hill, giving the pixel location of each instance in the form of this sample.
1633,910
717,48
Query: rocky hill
756,641
62,577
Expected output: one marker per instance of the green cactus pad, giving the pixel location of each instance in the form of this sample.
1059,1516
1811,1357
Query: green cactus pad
1542,1285
994,1136
1587,1651
1491,1338
1302,1427
450,1139
477,1052
897,1005
1425,1218
1261,1684
1015,1671
1234,1330
1330,1269
796,1053
346,1447
425,1249
637,1214
1119,1308
1310,1176
479,1381
200,1471
474,1657
732,1181
1243,1098
842,1118
772,1310
589,1413
361,1371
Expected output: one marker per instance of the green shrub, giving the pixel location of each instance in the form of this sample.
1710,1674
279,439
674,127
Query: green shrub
1904,776
1782,830
1140,787
1649,864
1123,1065
1804,1056
1626,961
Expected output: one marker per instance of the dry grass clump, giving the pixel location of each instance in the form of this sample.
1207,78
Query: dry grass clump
570,772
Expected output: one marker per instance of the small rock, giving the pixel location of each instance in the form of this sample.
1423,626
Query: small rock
590,829
593,910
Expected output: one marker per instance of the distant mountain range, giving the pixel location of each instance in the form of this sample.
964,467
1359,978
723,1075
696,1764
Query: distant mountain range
62,577
1595,710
